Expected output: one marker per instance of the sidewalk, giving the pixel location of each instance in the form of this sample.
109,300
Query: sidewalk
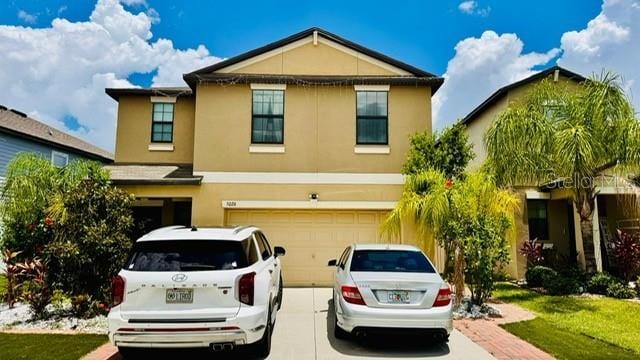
499,342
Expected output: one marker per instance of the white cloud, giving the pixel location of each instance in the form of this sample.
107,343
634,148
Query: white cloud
62,9
610,41
26,17
63,69
471,8
467,7
135,2
479,67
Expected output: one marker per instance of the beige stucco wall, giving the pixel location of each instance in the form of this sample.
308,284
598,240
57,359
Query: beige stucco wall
133,134
319,130
309,59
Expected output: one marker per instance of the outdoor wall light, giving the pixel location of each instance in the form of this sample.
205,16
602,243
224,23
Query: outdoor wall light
314,196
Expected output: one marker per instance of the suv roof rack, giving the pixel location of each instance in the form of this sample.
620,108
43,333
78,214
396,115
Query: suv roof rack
166,228
237,229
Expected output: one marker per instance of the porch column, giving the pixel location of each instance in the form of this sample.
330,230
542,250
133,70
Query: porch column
578,235
596,236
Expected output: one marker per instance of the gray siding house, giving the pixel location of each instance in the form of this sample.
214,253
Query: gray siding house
20,133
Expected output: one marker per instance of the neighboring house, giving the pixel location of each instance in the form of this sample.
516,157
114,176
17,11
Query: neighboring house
20,133
547,213
304,137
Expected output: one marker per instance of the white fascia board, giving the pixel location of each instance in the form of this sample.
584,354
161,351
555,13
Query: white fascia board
300,178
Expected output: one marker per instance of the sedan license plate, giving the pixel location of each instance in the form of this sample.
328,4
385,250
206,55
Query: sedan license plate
179,296
398,297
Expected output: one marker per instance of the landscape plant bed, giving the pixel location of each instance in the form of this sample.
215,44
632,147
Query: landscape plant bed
605,319
19,318
48,346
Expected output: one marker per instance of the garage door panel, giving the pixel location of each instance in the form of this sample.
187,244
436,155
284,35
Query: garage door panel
311,238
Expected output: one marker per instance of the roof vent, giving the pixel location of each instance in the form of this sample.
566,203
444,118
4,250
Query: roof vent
2,107
18,113
194,228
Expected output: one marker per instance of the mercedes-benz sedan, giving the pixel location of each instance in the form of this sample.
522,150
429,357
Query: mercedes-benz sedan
389,288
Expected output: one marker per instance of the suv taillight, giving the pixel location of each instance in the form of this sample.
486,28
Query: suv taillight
444,296
117,290
352,295
245,288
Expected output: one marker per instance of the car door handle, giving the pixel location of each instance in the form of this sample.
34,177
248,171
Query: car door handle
270,271
275,265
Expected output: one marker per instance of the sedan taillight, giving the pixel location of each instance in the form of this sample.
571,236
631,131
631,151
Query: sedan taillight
117,290
444,296
245,288
352,295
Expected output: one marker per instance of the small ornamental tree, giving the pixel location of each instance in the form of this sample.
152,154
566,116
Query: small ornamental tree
470,218
91,239
627,253
71,218
448,151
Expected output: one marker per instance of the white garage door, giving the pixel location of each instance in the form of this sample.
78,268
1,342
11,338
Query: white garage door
311,237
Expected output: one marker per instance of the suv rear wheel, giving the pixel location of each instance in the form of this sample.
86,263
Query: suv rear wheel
263,347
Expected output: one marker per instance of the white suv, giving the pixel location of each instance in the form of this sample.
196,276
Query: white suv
197,287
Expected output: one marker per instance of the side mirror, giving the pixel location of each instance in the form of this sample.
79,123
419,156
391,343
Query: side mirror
332,262
279,251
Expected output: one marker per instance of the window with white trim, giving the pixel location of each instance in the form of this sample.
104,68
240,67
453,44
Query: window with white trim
267,120
162,124
372,123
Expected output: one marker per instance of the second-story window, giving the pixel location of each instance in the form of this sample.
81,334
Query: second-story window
162,127
371,117
267,121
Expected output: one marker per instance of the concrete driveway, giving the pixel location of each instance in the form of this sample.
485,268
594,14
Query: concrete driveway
304,330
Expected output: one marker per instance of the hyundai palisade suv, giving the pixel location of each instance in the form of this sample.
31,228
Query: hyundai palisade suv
197,287
389,287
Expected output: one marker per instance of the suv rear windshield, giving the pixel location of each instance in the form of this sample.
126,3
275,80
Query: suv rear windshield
190,255
390,261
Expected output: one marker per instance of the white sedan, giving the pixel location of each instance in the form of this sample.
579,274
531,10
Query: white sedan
389,288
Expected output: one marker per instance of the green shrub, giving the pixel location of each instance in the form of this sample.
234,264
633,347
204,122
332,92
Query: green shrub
60,301
620,291
600,282
537,275
562,285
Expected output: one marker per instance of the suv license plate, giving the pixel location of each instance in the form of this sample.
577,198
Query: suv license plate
398,297
179,296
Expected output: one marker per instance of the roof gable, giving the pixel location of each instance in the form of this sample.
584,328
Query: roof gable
503,91
313,34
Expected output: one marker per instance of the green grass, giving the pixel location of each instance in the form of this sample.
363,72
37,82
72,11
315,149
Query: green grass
564,344
3,287
47,346
609,320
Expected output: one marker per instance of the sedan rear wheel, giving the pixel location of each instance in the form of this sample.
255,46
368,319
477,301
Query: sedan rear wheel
338,332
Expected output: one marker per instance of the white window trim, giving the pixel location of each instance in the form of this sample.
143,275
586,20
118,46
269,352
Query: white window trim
58,153
268,86
371,87
267,149
372,149
215,177
163,99
301,204
161,147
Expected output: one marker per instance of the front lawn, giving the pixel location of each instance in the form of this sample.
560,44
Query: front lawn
48,346
609,320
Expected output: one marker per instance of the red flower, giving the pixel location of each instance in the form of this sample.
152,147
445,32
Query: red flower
101,306
48,221
448,184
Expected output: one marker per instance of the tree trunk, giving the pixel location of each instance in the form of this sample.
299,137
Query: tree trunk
586,226
458,276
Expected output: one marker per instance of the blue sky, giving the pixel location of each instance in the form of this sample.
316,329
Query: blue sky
522,36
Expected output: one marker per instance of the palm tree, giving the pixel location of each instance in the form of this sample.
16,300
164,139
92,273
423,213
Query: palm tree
450,212
567,136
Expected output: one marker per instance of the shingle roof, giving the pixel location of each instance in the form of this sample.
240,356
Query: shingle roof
127,174
500,93
154,91
18,123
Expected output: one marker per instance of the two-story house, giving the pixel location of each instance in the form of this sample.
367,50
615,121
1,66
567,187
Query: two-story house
304,137
21,133
547,212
